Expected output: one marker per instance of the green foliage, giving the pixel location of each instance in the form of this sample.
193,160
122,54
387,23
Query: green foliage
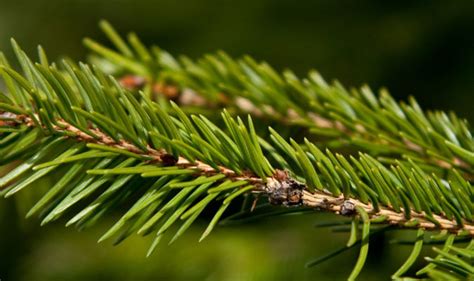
358,118
112,147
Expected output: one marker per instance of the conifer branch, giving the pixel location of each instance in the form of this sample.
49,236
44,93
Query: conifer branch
280,188
378,125
110,145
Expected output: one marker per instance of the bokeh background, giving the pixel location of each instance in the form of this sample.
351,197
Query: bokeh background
419,48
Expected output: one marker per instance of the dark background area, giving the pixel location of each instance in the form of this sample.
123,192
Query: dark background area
419,48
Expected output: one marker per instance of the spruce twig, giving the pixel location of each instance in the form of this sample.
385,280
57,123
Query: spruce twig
378,125
281,189
111,145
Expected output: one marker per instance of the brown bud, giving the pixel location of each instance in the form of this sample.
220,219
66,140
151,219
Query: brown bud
169,91
280,175
287,192
7,118
347,208
132,82
168,160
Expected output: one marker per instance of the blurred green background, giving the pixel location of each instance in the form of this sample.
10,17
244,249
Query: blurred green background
419,48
